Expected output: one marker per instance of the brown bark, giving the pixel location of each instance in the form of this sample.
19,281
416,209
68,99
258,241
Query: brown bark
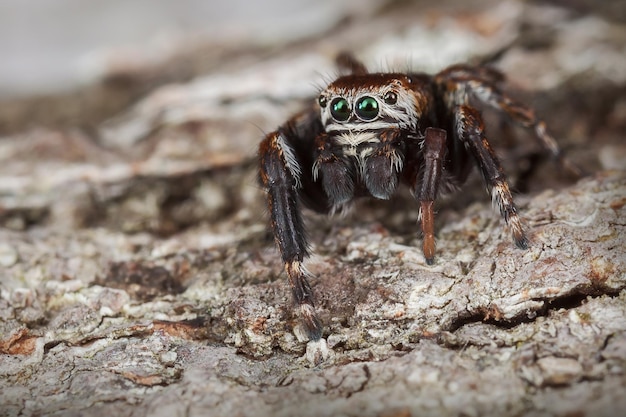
139,277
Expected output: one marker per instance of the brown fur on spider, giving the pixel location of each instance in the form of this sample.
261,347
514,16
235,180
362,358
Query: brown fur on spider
370,131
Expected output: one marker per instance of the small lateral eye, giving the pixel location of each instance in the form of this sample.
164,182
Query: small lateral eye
340,109
367,108
322,101
390,97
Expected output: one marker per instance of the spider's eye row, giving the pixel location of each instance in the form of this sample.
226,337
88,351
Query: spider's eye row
322,101
340,109
367,108
390,97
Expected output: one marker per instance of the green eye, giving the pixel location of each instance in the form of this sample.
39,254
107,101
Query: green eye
322,101
367,108
340,109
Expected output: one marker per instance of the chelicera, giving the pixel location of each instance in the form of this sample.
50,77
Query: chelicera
367,133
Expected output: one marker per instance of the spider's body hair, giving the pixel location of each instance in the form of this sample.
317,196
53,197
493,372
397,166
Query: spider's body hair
290,160
356,139
353,139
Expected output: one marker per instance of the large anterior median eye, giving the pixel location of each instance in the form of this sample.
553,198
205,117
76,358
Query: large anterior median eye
367,108
340,109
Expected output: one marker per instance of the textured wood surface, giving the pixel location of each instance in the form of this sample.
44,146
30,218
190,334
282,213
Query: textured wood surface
138,277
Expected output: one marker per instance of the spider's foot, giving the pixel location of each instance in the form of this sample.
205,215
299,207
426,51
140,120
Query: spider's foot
517,231
311,322
522,241
303,296
429,249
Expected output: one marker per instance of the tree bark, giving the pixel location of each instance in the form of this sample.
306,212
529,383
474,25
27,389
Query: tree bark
139,277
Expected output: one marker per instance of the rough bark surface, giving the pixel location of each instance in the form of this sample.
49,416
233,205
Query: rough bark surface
138,276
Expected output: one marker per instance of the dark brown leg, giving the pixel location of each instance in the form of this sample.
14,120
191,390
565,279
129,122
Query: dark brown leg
434,151
470,130
524,116
279,175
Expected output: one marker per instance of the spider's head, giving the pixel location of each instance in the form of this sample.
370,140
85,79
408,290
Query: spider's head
369,102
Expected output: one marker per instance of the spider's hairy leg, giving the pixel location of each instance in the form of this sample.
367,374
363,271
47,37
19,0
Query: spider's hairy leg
470,130
279,174
383,167
434,151
336,173
524,116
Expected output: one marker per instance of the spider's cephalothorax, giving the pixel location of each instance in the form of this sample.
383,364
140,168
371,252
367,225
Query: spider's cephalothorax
366,121
366,134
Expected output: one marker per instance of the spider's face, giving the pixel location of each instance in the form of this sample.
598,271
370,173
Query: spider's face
369,102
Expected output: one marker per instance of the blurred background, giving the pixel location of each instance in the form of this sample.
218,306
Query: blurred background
59,46
100,93
52,45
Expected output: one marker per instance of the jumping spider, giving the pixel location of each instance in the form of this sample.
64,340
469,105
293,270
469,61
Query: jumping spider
369,131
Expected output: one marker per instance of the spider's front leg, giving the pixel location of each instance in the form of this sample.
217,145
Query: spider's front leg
470,130
280,175
434,151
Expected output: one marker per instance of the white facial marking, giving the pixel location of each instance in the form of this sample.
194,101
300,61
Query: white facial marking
351,139
401,114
